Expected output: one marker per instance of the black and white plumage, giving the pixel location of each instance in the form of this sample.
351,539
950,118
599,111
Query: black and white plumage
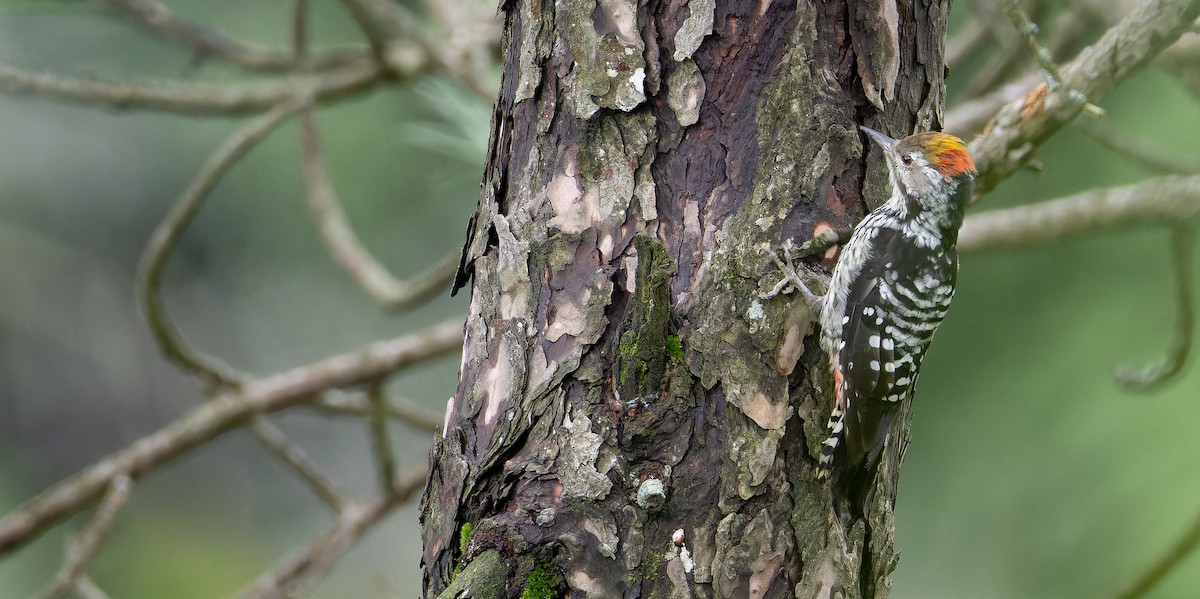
890,290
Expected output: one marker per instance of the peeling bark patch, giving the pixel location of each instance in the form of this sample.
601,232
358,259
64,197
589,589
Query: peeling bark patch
579,580
751,546
763,579
512,270
796,328
574,211
753,458
575,299
875,30
499,381
451,408
698,24
1034,101
769,412
685,92
542,372
529,73
605,532
569,315
619,17
579,476
710,173
609,68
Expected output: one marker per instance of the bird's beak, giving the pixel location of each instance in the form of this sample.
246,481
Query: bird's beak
884,141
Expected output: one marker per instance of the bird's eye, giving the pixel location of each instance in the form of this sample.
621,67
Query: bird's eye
906,158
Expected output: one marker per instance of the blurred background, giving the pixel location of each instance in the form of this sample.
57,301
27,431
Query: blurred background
1030,474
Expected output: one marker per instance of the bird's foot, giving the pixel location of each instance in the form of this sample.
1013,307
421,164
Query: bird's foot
792,280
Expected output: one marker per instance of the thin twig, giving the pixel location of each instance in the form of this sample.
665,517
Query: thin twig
299,462
1162,201
196,98
304,567
83,547
86,588
166,237
1028,30
1022,126
381,441
397,34
1145,153
300,31
226,411
403,411
206,41
1157,571
1148,378
372,277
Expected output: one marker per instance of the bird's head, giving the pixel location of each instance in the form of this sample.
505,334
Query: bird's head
929,168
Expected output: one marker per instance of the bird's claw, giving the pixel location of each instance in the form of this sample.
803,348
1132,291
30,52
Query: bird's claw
791,276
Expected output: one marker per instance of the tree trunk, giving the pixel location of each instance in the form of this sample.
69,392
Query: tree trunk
632,420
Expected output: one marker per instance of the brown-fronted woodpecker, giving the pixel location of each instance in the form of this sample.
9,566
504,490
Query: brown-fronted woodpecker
889,292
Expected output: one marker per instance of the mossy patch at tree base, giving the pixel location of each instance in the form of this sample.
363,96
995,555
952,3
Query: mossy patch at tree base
541,583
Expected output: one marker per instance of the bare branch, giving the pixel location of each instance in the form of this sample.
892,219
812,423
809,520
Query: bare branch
1020,127
381,441
395,31
296,460
1148,378
298,572
1163,201
1145,153
166,237
83,547
300,31
206,41
1148,580
403,411
376,22
1028,31
224,412
86,588
196,98
371,276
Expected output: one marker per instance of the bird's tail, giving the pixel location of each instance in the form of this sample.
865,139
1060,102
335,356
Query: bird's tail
837,426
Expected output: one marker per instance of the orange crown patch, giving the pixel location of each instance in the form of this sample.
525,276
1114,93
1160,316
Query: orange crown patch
948,154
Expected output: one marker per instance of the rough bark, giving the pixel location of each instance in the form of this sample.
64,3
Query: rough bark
621,379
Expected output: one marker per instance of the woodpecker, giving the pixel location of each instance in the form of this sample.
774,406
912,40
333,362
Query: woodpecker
890,290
